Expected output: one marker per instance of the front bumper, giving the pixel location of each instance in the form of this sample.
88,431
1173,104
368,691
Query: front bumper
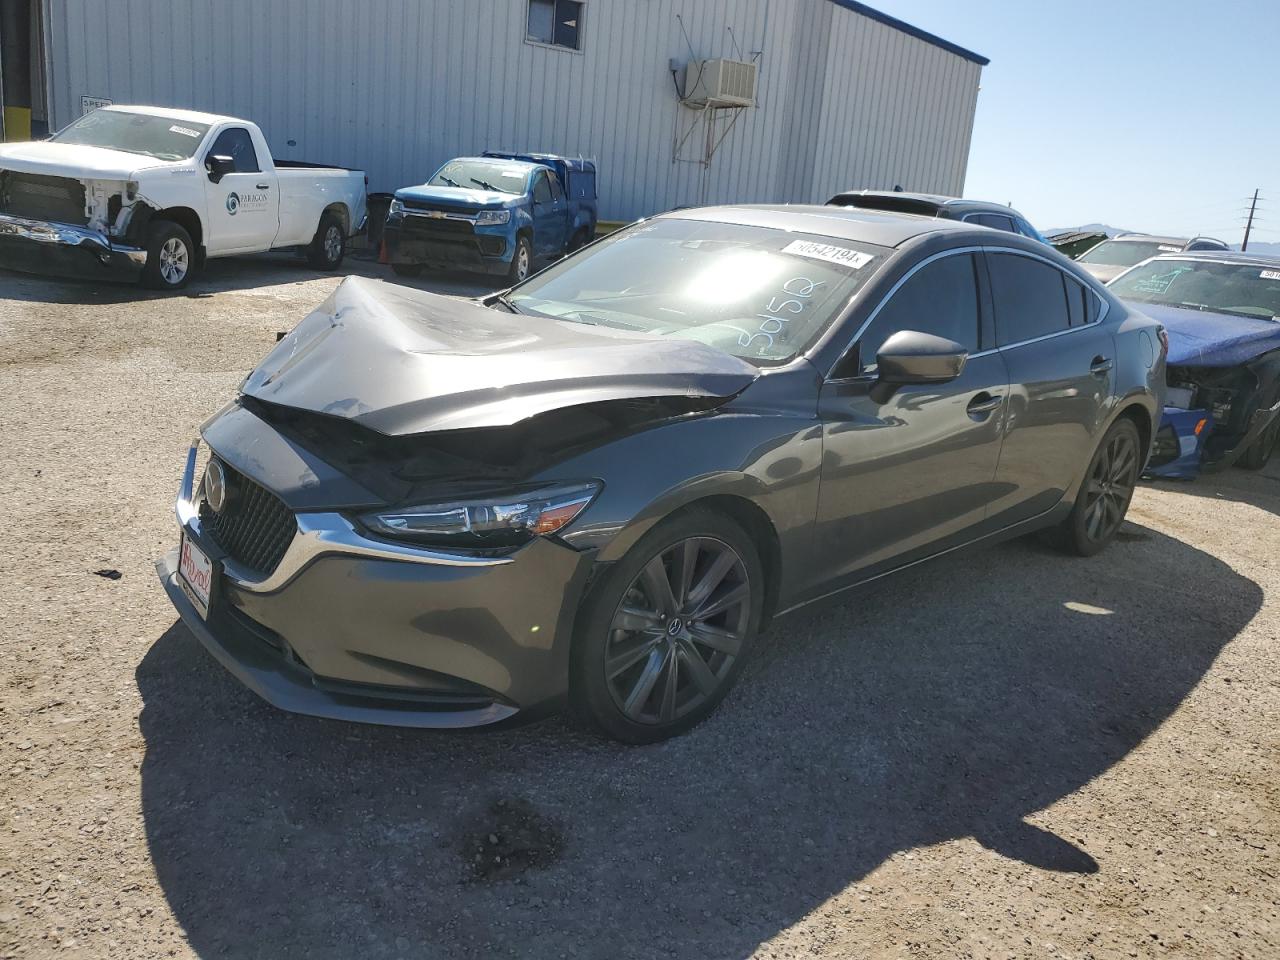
65,249
353,628
1179,444
445,243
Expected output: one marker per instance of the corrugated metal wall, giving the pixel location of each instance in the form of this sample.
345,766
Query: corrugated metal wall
397,87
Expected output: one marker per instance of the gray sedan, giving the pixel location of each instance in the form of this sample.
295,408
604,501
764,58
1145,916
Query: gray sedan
599,487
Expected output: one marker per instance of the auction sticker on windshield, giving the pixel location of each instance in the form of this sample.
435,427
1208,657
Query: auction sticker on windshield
195,575
855,259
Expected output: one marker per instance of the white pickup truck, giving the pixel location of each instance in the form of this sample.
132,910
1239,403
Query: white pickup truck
150,193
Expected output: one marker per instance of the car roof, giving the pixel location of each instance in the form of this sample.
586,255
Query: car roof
191,116
934,200
882,228
1225,256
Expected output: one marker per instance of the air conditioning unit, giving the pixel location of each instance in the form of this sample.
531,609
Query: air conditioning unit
720,83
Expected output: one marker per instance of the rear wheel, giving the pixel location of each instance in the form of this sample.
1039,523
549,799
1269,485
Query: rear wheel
1259,452
1105,494
170,256
665,633
329,245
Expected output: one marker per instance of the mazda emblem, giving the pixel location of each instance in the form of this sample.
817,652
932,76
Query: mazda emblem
215,486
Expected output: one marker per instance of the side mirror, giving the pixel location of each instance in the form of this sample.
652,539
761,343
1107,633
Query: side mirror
219,166
911,357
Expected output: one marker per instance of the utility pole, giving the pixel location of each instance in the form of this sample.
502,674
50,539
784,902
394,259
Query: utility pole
1249,225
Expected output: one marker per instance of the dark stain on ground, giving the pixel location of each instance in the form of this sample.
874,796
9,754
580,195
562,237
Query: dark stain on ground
507,839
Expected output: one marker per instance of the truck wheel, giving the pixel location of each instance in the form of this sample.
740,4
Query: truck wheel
521,260
578,241
329,245
1259,452
170,256
407,269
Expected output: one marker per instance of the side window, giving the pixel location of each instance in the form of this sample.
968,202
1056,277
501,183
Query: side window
541,192
556,22
1030,297
997,220
556,192
940,298
235,142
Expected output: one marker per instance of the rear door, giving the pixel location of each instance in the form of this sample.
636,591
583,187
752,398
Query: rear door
550,215
1059,355
907,477
244,206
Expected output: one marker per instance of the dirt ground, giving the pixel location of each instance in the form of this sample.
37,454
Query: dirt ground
1005,754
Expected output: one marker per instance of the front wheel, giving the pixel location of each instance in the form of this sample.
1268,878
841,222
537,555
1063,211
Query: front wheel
521,260
1259,452
666,631
329,245
1105,493
170,256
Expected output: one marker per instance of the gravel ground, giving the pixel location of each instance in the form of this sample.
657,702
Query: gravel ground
1008,754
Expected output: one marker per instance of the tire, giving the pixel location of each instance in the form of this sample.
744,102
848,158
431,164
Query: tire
1104,494
171,256
329,245
666,677
577,241
407,269
521,261
1258,455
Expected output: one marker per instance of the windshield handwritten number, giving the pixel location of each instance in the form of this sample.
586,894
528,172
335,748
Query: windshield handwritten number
799,290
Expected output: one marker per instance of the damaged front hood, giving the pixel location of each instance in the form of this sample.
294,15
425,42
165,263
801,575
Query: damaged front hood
460,195
1201,339
74,160
401,361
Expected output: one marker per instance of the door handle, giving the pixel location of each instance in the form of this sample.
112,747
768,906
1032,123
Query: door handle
983,404
264,186
1100,366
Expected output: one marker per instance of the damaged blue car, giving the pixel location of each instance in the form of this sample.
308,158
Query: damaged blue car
1222,313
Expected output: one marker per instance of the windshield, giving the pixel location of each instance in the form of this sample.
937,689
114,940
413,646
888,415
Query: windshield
760,294
1249,290
161,137
1125,253
485,174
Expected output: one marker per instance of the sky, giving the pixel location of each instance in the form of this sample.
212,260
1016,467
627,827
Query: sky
1161,116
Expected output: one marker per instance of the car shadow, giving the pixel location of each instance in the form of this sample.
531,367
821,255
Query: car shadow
230,274
955,700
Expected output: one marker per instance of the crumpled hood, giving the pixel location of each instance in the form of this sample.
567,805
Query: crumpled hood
401,361
459,196
1199,339
74,160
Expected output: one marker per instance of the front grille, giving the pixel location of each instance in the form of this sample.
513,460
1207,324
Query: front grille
254,526
38,197
444,207
425,226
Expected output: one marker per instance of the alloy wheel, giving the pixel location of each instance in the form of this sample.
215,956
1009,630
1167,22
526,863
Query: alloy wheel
173,261
1110,487
333,243
679,628
522,262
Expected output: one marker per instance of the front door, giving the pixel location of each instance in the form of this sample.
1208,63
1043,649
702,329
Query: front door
550,215
905,478
244,206
1060,361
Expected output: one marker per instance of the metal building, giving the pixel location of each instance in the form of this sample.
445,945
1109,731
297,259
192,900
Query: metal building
838,95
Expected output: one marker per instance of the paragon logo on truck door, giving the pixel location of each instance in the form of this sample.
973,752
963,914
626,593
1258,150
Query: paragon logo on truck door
249,201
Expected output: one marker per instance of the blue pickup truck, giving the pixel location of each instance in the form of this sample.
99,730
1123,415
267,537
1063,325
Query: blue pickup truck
497,213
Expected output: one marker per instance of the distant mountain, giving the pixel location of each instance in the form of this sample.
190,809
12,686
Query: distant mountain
1256,246
1109,230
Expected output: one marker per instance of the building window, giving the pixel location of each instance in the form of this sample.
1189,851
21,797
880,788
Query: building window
556,22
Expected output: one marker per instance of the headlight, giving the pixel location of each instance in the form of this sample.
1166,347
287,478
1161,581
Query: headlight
503,520
396,209
493,216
